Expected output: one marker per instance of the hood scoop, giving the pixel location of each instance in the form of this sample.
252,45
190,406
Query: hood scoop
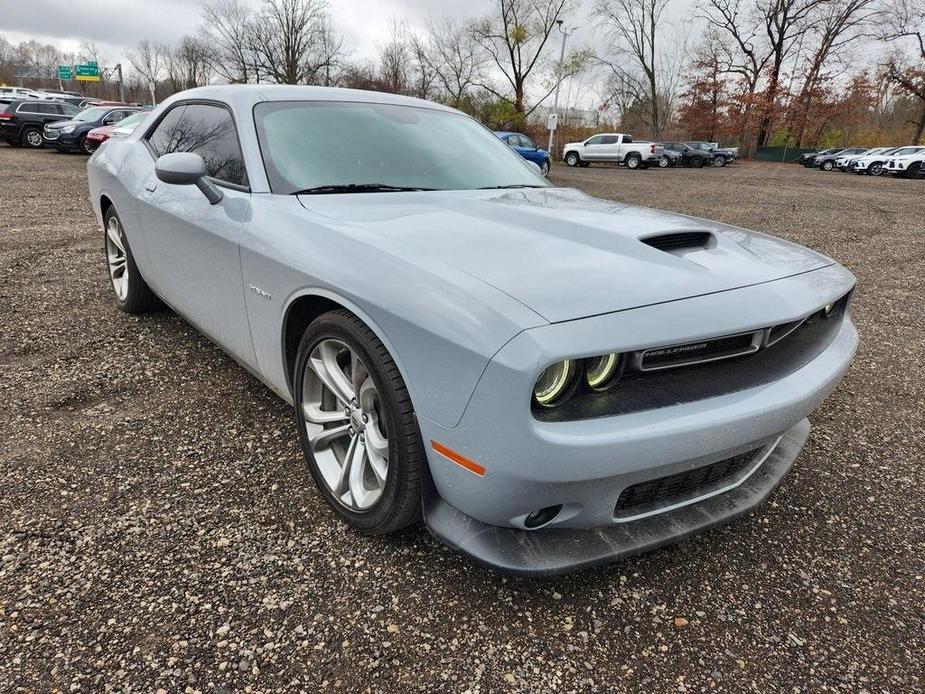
680,241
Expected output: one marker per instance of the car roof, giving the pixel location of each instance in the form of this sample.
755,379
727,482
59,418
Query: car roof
239,93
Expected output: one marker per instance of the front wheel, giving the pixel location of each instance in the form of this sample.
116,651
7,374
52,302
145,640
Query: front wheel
875,169
827,165
664,162
544,167
572,159
32,137
357,426
697,162
719,161
132,293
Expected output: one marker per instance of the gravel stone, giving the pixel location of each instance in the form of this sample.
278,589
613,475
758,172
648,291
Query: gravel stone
159,530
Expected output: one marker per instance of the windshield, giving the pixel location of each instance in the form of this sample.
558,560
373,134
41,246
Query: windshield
131,120
309,144
90,115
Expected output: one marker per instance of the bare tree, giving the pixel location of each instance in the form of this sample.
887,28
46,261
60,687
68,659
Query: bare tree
903,26
189,64
288,39
635,28
837,26
226,29
514,38
149,61
454,59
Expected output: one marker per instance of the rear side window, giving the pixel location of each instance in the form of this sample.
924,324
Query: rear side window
209,132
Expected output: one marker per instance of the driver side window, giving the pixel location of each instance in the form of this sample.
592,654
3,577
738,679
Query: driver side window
596,140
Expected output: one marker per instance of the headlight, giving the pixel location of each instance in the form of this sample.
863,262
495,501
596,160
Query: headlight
68,129
600,371
554,383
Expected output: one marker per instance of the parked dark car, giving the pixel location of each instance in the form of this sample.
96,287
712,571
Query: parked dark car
22,121
71,135
690,156
669,158
526,148
826,162
808,158
721,155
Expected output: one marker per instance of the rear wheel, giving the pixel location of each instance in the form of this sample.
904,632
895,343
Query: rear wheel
32,137
572,159
357,425
632,161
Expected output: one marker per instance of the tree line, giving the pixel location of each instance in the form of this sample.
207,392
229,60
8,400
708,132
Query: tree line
796,73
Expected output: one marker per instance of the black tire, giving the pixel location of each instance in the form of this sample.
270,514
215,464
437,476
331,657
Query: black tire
632,161
915,171
544,167
720,162
400,503
139,298
572,159
875,169
82,145
827,165
697,162
664,162
32,137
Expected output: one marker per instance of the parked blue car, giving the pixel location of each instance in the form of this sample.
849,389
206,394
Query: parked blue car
526,148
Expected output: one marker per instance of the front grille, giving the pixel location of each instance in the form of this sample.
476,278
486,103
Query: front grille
683,486
679,240
693,352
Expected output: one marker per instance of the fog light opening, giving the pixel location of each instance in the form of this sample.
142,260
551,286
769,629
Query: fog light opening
541,517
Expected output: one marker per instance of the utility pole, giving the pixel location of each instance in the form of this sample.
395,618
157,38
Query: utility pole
555,101
121,84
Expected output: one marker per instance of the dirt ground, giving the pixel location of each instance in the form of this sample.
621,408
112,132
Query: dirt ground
158,528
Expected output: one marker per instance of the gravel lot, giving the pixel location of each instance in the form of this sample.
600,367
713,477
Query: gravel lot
158,528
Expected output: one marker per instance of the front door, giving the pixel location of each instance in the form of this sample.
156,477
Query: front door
192,244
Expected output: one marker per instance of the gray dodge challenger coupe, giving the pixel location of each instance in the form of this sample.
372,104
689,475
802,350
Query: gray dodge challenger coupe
551,380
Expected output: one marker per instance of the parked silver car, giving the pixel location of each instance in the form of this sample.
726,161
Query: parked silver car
552,380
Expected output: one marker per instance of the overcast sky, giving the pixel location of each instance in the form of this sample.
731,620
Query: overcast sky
117,25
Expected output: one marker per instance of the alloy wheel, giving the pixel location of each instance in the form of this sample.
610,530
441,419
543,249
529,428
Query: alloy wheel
663,162
116,258
875,169
34,138
345,425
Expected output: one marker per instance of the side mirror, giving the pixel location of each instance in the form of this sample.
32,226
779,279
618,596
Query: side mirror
186,169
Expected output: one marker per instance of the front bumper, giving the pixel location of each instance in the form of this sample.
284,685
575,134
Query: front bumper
585,465
547,552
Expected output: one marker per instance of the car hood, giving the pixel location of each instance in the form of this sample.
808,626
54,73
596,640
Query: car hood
58,124
562,253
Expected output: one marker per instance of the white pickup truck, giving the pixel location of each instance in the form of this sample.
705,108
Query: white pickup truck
614,148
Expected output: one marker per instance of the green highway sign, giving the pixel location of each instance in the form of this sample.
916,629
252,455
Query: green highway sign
64,72
89,72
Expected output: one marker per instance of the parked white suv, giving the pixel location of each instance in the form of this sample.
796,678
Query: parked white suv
872,162
907,162
615,148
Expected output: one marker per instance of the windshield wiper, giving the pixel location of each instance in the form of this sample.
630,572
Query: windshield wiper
510,185
357,188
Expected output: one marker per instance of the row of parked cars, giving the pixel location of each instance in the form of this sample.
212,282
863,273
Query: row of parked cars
903,162
59,123
619,148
